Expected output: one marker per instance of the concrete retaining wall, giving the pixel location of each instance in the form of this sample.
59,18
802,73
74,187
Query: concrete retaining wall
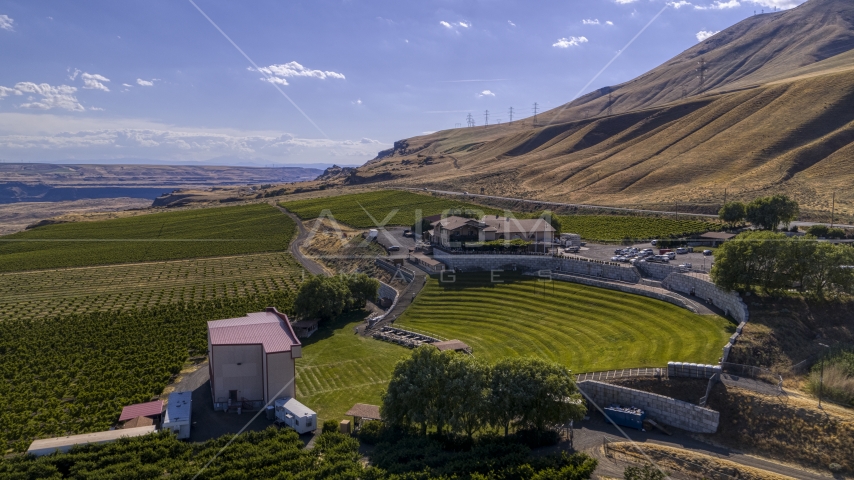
729,302
389,267
666,410
387,291
537,262
657,271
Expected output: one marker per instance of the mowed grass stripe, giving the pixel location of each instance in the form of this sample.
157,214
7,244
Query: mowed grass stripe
585,328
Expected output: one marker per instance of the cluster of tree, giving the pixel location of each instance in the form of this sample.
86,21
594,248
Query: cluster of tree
456,391
765,212
823,231
327,297
774,262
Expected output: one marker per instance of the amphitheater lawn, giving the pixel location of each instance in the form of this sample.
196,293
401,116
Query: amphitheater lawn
206,232
348,208
339,369
586,328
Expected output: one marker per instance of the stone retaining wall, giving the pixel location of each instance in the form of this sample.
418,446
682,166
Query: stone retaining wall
657,271
729,302
537,262
387,291
666,410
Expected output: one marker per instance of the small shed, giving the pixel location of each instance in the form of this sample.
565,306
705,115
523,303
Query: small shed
46,446
141,414
454,345
291,413
305,328
362,412
177,416
715,239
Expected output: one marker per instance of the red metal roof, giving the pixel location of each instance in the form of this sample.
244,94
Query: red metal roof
148,409
270,329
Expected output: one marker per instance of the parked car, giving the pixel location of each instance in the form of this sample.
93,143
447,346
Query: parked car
707,252
681,250
654,243
394,248
572,250
671,255
686,265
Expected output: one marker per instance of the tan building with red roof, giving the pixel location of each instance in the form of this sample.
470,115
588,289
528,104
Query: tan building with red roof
252,358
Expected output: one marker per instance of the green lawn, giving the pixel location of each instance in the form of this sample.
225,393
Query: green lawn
588,329
339,369
402,205
612,229
208,232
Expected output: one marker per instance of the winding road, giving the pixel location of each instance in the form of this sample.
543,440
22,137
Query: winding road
313,267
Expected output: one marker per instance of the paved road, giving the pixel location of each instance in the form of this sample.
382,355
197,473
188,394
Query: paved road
599,207
307,263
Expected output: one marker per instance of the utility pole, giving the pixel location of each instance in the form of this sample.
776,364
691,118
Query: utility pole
833,210
702,69
535,113
511,114
486,115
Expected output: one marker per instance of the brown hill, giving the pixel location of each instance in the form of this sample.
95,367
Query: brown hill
794,133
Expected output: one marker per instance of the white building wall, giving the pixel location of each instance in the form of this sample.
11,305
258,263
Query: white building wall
238,367
280,373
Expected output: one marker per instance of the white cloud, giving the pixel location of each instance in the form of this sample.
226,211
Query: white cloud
61,96
97,109
445,24
781,4
6,23
145,83
511,23
594,21
486,93
623,2
610,23
719,5
570,42
464,24
93,81
73,75
679,4
127,85
357,102
277,74
42,136
704,35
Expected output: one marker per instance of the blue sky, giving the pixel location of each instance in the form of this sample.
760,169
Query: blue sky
134,81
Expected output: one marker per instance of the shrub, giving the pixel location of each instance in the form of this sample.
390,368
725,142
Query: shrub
646,472
330,426
371,432
534,438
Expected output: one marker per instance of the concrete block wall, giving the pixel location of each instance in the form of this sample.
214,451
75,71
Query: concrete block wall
657,271
537,262
389,267
387,291
669,411
729,302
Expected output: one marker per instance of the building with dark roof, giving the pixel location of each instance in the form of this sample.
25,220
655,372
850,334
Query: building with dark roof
252,358
491,227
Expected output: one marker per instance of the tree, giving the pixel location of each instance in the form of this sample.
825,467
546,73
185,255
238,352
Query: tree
553,220
823,231
532,393
413,394
732,212
321,297
467,386
418,228
749,260
770,212
362,288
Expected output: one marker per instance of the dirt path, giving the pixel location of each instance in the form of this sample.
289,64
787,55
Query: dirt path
307,263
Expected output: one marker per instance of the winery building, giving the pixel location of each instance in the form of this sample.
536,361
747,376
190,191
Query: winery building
252,359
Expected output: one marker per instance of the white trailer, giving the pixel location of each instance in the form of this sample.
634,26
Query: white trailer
293,414
177,416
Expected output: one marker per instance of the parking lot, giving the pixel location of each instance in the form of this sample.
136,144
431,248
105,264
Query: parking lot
698,261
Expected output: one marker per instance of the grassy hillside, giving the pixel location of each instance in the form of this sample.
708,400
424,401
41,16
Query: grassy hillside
397,207
197,233
588,329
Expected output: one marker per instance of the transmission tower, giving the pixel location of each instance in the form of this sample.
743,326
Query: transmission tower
610,103
469,120
702,69
486,118
535,113
511,114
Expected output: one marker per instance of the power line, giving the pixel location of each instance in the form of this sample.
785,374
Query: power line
535,113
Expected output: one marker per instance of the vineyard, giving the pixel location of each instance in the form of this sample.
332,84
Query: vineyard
587,329
611,229
209,232
29,295
73,374
348,209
